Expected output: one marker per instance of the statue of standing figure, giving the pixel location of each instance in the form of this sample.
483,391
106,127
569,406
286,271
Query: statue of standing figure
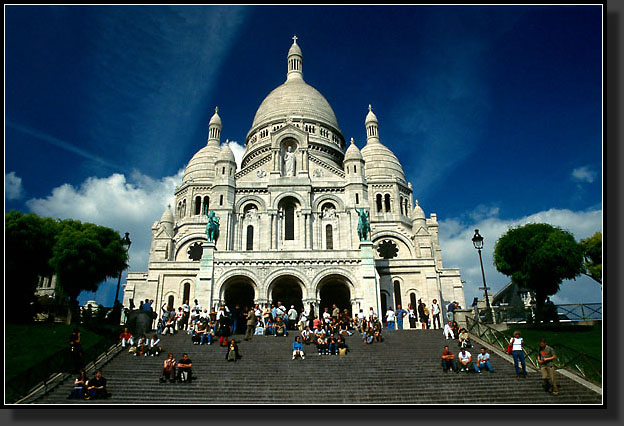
289,162
212,227
363,225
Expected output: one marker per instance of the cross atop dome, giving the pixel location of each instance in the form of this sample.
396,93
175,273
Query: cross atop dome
370,107
294,39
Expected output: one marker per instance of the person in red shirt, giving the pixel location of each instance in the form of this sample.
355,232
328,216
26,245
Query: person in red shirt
448,360
126,337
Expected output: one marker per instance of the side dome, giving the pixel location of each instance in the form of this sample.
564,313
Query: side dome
167,216
202,165
381,163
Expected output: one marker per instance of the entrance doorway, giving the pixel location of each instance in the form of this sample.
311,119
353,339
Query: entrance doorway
239,291
287,289
334,290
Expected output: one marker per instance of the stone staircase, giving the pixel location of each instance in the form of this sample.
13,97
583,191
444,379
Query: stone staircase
404,369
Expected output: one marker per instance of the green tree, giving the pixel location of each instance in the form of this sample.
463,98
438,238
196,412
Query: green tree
592,254
84,256
538,257
29,241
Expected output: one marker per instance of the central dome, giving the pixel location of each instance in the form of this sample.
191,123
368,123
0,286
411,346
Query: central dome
297,99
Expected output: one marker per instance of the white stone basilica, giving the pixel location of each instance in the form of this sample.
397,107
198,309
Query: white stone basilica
288,219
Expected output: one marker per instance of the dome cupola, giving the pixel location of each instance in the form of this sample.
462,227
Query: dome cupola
381,163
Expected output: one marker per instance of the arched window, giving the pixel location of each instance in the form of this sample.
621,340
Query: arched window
221,200
329,238
413,301
206,205
397,293
184,207
354,169
289,222
387,202
197,205
357,198
187,292
379,203
250,237
384,304
170,301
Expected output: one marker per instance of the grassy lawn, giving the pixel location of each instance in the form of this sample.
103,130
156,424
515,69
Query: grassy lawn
585,339
26,345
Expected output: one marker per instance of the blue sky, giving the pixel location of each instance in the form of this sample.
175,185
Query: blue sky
495,112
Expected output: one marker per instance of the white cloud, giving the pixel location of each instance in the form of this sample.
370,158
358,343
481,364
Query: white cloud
238,150
458,251
126,205
13,189
583,174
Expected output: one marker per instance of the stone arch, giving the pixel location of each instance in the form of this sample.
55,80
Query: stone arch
238,289
328,198
182,246
283,195
167,297
350,278
304,282
388,234
250,198
281,288
223,278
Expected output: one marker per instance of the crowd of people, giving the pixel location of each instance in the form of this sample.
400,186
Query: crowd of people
326,332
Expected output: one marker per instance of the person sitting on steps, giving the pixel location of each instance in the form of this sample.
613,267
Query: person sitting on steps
154,346
96,387
185,372
448,360
232,351
168,372
298,348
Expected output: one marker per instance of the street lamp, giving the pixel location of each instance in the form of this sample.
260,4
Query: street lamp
125,241
477,241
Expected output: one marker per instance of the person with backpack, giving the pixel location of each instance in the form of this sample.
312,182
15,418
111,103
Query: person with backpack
232,351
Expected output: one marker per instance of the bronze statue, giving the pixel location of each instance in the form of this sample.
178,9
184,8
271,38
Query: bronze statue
363,225
212,227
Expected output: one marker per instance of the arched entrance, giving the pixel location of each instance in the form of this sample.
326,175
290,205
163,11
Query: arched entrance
238,291
287,289
334,289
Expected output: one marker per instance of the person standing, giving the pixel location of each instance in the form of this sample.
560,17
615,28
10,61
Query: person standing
421,314
545,359
400,314
411,316
186,311
75,348
450,309
435,314
390,316
292,318
518,354
251,324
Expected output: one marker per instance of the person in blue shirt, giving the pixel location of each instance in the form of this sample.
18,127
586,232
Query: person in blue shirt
400,314
483,361
297,347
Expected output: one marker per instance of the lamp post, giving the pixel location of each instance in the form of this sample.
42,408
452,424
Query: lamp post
477,241
125,241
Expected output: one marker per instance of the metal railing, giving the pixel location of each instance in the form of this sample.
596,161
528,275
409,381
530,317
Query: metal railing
557,313
581,364
580,312
44,373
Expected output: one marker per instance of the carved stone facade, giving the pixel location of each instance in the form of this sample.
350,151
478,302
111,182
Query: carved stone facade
288,220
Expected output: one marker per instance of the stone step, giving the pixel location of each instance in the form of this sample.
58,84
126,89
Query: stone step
406,360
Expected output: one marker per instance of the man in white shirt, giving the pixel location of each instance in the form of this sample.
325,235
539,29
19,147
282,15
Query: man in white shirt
204,315
292,317
303,320
464,360
435,313
195,310
361,317
186,309
390,318
326,316
448,331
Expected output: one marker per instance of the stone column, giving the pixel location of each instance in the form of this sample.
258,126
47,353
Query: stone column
368,277
204,282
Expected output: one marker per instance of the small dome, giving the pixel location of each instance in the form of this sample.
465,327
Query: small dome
215,120
370,117
418,212
294,49
167,216
201,166
381,163
226,153
353,152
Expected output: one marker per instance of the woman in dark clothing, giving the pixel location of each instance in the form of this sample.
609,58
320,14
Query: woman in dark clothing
75,348
232,351
223,330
